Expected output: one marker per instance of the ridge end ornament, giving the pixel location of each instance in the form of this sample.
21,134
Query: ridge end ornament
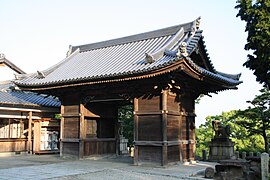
182,50
149,58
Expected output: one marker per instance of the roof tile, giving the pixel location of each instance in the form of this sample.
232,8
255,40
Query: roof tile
125,56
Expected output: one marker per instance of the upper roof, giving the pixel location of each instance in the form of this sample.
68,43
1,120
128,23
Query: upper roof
9,95
129,57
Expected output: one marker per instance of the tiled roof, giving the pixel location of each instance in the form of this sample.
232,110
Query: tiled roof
8,95
128,56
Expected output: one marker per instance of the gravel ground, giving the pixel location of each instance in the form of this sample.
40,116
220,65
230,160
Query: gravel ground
98,168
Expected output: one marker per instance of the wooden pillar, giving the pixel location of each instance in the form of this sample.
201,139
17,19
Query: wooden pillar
22,128
62,121
116,135
70,130
37,138
82,132
9,129
150,130
164,128
29,140
135,131
188,127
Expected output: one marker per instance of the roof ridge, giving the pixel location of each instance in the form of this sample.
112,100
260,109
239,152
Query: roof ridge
160,52
137,37
4,60
52,68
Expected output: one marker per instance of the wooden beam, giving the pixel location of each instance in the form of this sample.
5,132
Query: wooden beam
175,113
161,143
71,140
18,116
30,109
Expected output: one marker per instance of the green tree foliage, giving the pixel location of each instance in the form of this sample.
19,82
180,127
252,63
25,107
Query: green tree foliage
239,134
125,115
256,14
204,134
256,118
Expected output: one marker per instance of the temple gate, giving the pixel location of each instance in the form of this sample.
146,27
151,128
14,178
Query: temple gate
160,72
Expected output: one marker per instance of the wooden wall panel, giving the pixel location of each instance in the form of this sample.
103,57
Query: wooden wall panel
91,128
71,109
173,153
70,150
173,105
99,146
149,128
173,128
71,127
153,104
13,145
184,128
150,154
100,110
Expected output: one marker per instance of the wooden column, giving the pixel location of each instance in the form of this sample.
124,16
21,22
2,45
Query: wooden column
22,128
188,127
150,130
159,129
9,129
82,132
62,121
135,131
70,129
164,103
29,139
37,138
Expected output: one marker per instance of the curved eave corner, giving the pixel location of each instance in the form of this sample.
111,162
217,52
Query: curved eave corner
228,81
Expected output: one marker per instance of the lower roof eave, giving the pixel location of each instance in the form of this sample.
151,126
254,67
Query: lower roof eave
181,64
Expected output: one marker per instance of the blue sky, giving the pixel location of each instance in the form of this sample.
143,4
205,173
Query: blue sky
35,35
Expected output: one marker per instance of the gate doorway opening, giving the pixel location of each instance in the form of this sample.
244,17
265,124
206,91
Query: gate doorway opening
126,129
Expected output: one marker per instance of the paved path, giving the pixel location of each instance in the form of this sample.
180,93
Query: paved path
98,168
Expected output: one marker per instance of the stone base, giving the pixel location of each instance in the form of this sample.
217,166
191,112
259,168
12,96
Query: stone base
123,145
221,149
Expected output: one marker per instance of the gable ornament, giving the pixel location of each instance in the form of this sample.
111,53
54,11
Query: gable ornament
40,75
149,58
182,50
2,56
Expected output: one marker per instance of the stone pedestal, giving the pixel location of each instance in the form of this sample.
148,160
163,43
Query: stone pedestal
123,145
221,149
265,166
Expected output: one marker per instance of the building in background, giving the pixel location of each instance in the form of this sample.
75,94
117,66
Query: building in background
27,119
